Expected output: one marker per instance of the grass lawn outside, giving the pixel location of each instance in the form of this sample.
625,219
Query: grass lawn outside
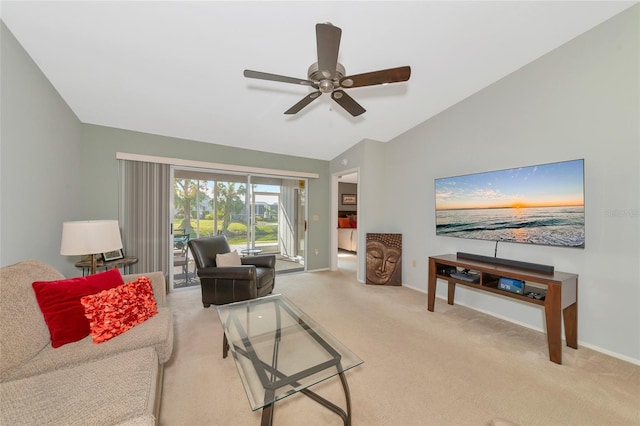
266,232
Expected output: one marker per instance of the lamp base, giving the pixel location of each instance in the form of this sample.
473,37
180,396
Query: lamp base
93,264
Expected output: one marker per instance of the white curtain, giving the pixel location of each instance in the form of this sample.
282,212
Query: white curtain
145,191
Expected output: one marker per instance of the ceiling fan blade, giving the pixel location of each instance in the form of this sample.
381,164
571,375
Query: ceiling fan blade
303,103
347,102
328,42
274,77
392,75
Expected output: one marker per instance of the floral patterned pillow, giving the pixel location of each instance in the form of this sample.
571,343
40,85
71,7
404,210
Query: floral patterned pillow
112,312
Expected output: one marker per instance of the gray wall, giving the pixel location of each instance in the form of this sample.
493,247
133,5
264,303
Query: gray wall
39,162
347,188
579,101
100,144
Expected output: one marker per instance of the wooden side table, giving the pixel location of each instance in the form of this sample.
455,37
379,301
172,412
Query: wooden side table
124,263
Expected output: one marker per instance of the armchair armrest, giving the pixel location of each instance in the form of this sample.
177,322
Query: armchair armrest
262,261
244,272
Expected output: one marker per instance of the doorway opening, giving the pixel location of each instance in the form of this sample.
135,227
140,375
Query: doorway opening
346,211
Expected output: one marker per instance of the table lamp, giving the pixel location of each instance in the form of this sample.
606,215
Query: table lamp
90,237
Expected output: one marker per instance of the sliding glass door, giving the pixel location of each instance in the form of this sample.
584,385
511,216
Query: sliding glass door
257,215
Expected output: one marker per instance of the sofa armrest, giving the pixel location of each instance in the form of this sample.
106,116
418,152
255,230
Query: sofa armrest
157,282
262,261
244,272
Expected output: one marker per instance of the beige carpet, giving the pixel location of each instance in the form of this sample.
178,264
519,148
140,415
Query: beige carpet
451,367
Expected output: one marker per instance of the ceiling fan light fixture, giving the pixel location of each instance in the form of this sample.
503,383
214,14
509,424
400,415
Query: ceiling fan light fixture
347,82
326,86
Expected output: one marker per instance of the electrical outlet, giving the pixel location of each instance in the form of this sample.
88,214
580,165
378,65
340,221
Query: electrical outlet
316,251
413,263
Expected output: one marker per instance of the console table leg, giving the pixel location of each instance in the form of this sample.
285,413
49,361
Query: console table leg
431,286
451,292
553,315
571,325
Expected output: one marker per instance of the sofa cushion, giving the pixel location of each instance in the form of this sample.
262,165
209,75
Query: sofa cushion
60,304
22,328
106,391
112,312
156,332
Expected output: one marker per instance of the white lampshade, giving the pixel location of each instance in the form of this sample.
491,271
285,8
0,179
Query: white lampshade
90,237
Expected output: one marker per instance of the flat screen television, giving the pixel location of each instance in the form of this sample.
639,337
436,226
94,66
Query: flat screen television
542,204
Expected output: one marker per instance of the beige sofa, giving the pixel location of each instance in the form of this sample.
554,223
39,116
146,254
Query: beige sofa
118,382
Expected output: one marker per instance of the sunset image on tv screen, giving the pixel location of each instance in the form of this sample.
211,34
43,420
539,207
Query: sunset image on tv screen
542,204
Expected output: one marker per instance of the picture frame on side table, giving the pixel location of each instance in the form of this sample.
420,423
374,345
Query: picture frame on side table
113,255
349,199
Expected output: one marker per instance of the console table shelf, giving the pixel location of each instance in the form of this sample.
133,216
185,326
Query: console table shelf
561,299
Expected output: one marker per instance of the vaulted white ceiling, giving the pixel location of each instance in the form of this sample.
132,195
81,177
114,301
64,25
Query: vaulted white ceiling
174,68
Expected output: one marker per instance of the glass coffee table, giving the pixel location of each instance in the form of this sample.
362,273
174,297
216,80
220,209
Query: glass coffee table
279,351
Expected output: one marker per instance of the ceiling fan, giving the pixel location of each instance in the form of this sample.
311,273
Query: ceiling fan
328,75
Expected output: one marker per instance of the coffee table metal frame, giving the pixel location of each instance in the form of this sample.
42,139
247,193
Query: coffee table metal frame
237,321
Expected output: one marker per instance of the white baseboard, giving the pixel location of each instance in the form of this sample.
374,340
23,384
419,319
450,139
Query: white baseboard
415,288
318,270
529,326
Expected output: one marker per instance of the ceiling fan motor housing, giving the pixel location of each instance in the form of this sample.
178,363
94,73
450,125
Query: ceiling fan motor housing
327,80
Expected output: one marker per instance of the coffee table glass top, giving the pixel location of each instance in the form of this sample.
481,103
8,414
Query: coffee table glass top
279,350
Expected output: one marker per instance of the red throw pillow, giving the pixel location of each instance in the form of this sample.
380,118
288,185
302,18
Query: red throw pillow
114,311
60,304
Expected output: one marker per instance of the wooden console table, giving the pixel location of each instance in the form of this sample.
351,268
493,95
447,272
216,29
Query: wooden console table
561,294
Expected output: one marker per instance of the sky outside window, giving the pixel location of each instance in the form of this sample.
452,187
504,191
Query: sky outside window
547,185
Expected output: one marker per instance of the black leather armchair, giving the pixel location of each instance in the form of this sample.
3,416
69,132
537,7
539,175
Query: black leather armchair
221,285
